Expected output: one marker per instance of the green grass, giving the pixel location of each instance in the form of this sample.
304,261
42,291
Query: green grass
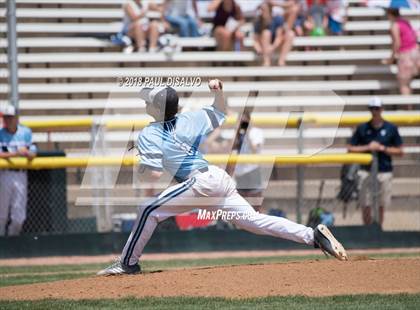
359,302
28,279
36,274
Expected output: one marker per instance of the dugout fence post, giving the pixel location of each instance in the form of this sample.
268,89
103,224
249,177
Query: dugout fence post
375,187
300,173
12,53
99,181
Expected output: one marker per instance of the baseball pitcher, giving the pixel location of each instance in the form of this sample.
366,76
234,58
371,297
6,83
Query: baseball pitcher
171,143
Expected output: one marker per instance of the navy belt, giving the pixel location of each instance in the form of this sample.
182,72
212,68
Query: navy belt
201,170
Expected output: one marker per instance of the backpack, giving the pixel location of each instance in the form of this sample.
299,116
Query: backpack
349,183
318,216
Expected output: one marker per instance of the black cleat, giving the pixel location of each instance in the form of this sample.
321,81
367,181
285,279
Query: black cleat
324,239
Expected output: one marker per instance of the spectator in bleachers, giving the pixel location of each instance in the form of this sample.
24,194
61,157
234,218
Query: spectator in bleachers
138,27
227,24
404,49
177,13
264,32
381,138
290,9
15,141
317,20
337,16
270,34
299,25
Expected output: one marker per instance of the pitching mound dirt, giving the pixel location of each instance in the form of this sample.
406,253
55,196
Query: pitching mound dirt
312,278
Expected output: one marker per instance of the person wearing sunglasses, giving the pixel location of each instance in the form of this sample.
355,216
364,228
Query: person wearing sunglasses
381,138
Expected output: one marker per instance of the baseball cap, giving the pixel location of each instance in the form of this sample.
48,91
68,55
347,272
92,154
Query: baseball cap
160,96
9,110
375,102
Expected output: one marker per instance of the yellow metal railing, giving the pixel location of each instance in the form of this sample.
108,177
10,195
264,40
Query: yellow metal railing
278,121
81,162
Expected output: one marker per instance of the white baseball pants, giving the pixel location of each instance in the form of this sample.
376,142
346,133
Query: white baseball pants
211,190
13,199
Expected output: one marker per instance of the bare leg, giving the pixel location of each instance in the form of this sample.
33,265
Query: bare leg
266,47
299,31
291,15
257,44
367,215
286,47
153,35
381,215
136,32
309,25
278,40
223,38
405,88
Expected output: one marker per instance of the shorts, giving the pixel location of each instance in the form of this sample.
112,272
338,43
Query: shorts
336,28
300,20
277,22
408,65
384,184
144,22
259,28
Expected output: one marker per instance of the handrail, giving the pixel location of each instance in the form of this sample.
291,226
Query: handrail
281,121
82,162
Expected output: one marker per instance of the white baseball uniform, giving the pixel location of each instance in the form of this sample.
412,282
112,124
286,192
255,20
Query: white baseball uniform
173,145
13,183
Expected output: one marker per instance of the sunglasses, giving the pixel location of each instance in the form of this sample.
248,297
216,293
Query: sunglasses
375,108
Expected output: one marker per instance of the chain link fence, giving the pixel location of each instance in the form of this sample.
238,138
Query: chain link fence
342,201
330,193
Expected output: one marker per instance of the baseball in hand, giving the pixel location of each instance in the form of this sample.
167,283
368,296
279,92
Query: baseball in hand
215,85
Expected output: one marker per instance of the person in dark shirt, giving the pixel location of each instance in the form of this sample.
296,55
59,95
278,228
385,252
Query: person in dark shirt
227,23
381,138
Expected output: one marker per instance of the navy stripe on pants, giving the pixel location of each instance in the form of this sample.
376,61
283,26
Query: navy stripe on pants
148,210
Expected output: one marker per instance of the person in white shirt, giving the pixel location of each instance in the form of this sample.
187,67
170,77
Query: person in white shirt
249,140
137,26
227,24
15,141
177,13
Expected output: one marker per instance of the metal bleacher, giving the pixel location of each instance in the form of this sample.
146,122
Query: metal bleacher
62,61
65,68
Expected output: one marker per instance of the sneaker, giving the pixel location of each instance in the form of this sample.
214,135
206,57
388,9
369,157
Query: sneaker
324,239
118,268
128,49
